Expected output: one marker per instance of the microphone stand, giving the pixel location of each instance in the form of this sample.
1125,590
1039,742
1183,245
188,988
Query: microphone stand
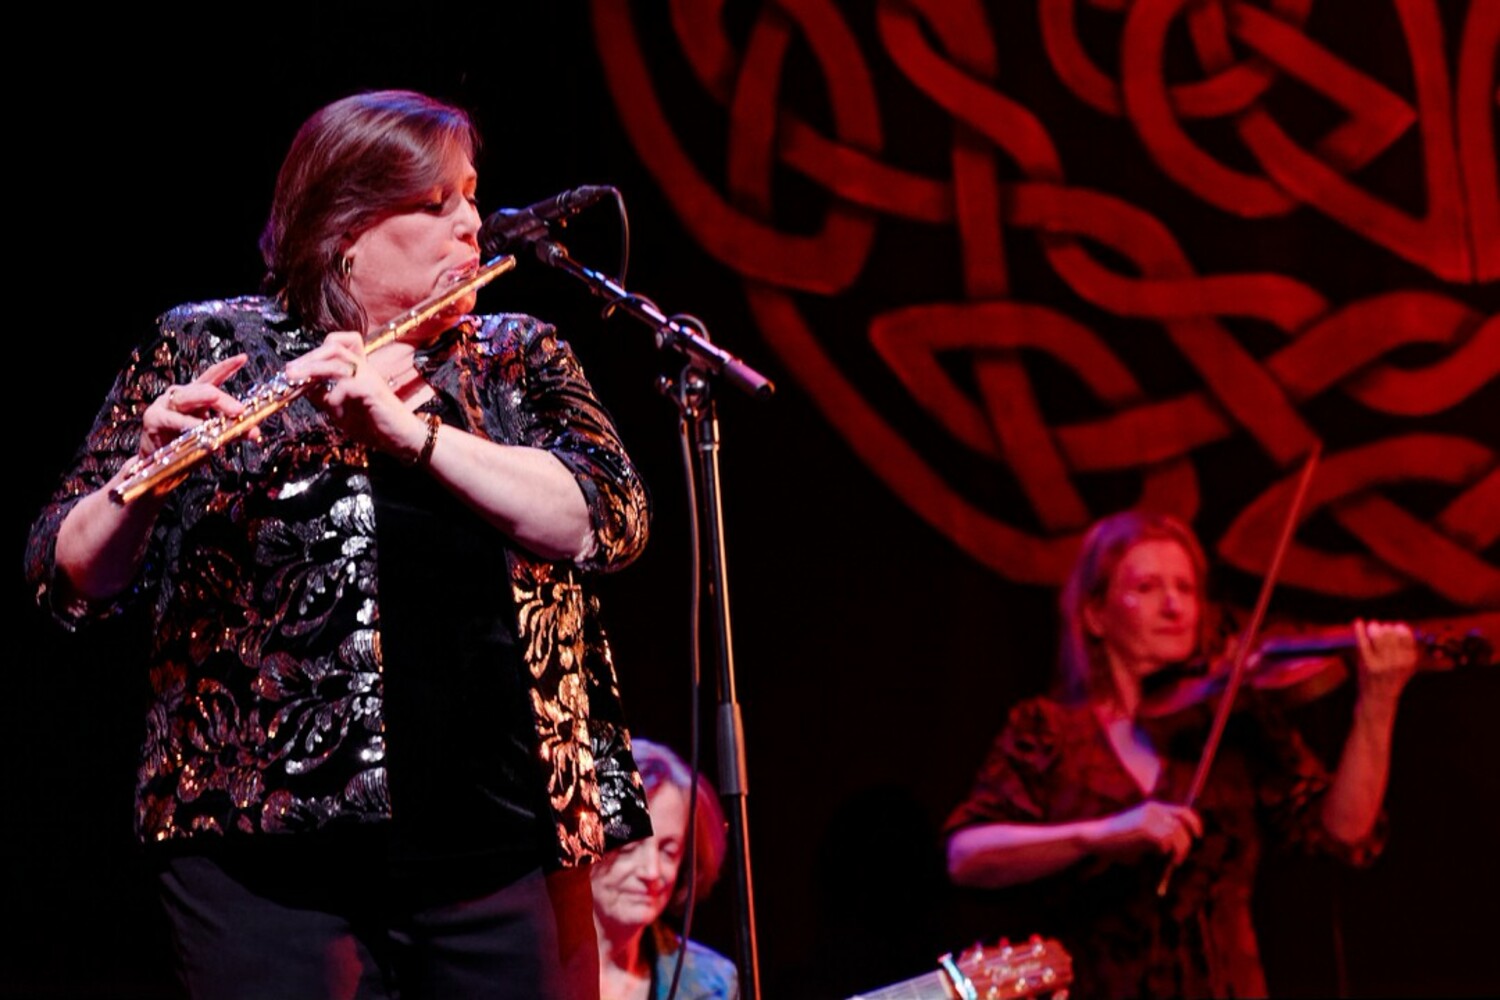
693,394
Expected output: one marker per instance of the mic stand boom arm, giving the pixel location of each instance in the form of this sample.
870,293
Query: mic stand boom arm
669,332
693,395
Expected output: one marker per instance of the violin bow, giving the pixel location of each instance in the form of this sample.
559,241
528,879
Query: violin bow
1246,643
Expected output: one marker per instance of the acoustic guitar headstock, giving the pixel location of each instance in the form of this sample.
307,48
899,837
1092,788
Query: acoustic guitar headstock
1035,968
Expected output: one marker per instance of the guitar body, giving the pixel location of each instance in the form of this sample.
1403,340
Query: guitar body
1036,968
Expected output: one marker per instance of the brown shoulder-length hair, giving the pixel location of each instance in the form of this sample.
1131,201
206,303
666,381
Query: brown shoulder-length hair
1082,672
353,163
659,766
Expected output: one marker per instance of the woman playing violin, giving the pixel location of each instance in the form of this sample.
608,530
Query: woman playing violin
384,735
1083,796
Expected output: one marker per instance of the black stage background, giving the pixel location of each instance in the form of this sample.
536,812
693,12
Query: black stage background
876,658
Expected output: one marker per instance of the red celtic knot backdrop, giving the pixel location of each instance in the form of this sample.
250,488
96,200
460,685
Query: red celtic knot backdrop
1038,261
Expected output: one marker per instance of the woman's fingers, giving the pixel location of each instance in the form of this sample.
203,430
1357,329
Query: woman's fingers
196,400
340,356
1156,827
1189,828
349,387
1388,658
218,372
1173,828
202,394
182,407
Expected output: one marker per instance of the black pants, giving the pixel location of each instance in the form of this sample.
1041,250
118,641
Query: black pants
266,931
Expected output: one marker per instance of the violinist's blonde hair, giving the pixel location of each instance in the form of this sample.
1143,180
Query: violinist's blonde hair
1082,672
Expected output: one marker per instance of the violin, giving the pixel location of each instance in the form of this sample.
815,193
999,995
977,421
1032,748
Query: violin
1187,699
1292,670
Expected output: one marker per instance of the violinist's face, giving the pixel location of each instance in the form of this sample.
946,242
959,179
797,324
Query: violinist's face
1149,616
405,257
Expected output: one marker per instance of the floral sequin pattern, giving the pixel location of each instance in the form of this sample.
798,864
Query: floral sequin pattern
280,726
530,390
260,577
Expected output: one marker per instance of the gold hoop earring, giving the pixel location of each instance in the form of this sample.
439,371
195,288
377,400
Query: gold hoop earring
346,266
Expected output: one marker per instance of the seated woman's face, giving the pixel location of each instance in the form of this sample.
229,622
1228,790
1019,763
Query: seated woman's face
633,886
406,257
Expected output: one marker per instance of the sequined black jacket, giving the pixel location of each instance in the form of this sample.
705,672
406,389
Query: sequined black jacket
265,663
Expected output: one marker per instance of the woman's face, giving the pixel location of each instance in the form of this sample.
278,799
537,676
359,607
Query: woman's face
633,885
1149,615
406,257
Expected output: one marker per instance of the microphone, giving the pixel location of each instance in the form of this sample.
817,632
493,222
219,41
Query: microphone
511,229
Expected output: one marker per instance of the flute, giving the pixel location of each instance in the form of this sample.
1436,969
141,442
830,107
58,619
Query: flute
164,468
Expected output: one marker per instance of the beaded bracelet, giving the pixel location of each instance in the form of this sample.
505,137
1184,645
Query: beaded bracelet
425,455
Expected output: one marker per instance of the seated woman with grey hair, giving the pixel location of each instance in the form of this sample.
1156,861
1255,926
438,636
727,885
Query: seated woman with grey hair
636,886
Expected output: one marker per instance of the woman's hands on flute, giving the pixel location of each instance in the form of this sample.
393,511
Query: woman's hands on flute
183,407
354,389
526,492
100,544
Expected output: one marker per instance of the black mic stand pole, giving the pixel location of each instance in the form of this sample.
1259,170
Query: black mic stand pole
693,394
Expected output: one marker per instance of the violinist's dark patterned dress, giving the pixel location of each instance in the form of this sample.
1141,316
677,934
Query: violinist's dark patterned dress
1053,763
338,642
